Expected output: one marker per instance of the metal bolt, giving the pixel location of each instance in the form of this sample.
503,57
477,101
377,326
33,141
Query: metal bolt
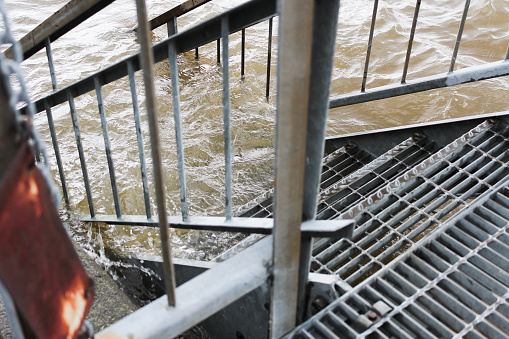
319,303
372,315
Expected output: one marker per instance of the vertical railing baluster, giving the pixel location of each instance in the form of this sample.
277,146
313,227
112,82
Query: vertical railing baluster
460,34
269,55
171,25
370,43
294,70
196,56
141,149
49,54
226,117
243,54
507,54
172,56
147,60
81,154
218,51
54,140
410,41
107,146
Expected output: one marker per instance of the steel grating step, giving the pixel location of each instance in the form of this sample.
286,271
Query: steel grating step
395,199
453,284
399,205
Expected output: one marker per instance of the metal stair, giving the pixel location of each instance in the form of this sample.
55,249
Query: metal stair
428,254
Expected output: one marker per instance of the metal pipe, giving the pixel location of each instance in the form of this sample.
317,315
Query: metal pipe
243,54
50,64
370,43
269,55
218,51
463,76
139,137
147,60
54,140
107,146
460,33
81,154
410,41
226,117
294,68
178,128
325,23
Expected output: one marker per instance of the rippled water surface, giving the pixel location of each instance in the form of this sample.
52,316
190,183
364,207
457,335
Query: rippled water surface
107,38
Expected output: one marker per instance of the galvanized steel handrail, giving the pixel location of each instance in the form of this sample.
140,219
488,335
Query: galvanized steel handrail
62,21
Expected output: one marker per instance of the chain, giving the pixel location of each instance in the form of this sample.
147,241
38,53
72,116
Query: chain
18,97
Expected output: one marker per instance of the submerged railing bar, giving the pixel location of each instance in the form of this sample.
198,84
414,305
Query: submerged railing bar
218,51
139,137
370,43
269,56
410,41
460,34
246,15
51,65
243,54
107,146
178,128
226,117
463,76
81,154
147,60
54,140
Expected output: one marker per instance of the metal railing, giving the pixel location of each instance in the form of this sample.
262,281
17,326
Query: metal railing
451,78
295,204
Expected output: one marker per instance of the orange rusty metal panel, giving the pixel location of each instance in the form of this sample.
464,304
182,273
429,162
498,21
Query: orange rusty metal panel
38,264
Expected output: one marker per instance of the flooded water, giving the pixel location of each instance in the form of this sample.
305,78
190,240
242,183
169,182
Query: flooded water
108,38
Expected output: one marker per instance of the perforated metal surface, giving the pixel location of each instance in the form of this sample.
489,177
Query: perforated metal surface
453,284
412,190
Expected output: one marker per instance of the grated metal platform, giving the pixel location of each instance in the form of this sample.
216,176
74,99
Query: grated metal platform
400,278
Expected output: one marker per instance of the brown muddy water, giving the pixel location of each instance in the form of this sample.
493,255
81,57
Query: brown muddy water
107,38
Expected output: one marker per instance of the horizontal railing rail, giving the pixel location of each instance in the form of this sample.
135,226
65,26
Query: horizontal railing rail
247,15
451,78
175,12
62,21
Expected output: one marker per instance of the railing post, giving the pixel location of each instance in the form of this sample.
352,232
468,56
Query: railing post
172,56
458,38
295,38
139,138
243,54
81,153
50,64
325,25
147,60
57,153
107,146
269,56
370,43
226,117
